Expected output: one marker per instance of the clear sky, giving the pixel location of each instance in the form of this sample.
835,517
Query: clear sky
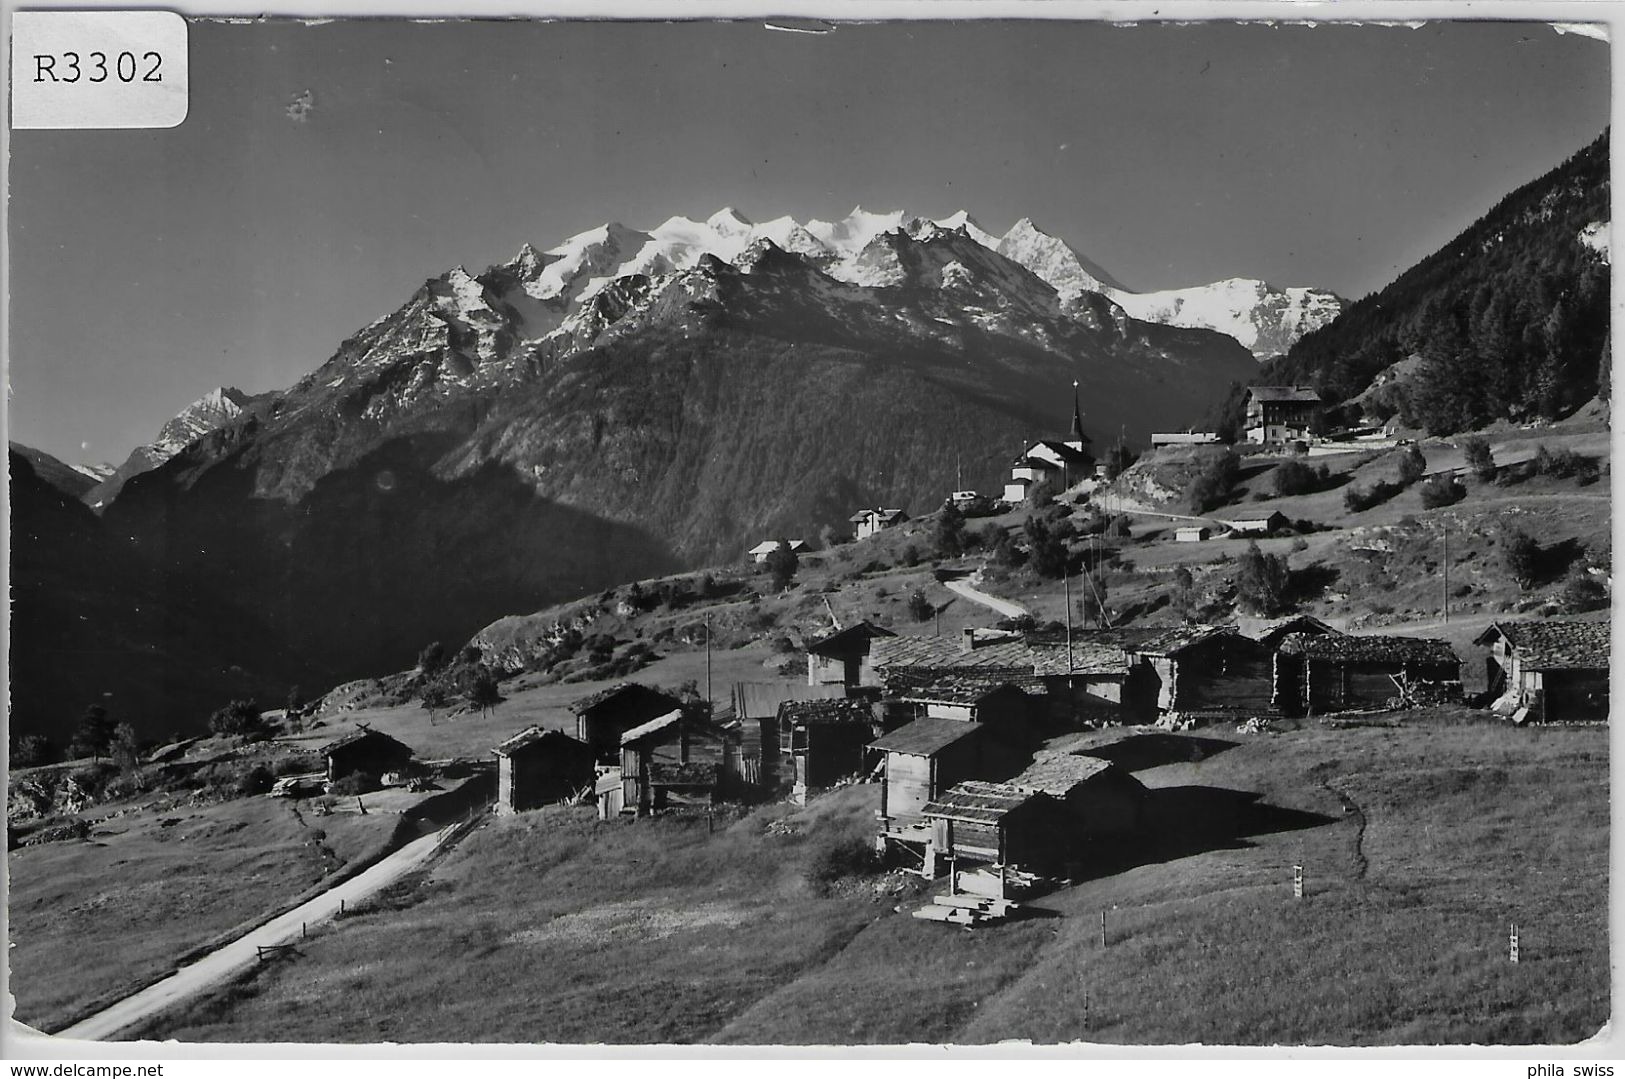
324,172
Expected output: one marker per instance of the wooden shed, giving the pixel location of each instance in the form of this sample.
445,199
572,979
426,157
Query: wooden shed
972,699
1553,671
610,793
676,759
756,709
1101,799
1192,533
842,657
923,759
998,823
365,751
537,767
825,741
1333,673
603,717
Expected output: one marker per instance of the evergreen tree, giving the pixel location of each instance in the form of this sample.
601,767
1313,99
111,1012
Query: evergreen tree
1520,554
483,693
950,535
782,564
1412,465
1480,458
95,734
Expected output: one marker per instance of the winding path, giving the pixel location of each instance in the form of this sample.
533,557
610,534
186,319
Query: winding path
285,928
964,587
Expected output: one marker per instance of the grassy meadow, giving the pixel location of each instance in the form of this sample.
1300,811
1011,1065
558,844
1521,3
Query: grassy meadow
1421,842
92,920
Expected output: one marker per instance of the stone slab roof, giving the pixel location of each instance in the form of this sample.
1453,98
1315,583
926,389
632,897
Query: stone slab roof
1555,645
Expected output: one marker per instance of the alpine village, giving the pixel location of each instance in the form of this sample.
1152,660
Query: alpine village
869,632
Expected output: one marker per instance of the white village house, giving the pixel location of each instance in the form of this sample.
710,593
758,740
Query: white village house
866,523
1068,461
760,552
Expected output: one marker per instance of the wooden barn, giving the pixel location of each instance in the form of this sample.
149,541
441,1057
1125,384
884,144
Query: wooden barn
1335,673
1190,673
604,716
537,767
1271,632
997,823
1101,799
676,759
842,657
1548,671
825,741
923,759
756,709
365,751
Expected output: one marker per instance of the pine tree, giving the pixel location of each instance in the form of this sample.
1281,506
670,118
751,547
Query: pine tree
95,734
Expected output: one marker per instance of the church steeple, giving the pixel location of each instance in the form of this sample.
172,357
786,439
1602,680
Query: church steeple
1077,418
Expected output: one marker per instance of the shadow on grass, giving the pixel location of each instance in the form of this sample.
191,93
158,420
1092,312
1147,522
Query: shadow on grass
1142,751
1179,822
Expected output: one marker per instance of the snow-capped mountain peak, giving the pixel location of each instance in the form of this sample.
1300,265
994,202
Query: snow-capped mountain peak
962,220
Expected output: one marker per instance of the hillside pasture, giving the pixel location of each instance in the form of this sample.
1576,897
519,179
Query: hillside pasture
1421,842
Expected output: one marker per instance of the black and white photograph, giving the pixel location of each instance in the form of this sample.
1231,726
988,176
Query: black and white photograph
812,532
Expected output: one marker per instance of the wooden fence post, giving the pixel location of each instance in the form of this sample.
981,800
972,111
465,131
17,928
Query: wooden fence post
1103,927
1297,882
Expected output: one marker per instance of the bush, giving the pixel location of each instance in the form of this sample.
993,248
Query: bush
353,784
1297,478
1582,592
33,749
432,658
1412,465
919,608
1442,490
1479,456
1212,486
1356,500
851,856
1262,581
257,780
241,719
1520,555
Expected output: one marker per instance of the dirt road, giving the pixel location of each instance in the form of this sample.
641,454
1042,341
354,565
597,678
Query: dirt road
966,588
221,963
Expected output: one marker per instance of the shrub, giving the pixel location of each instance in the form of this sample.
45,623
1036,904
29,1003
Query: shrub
1356,499
1412,465
1519,554
1297,478
1479,456
1212,485
834,860
353,784
432,658
1046,542
257,780
1119,528
919,608
1442,490
33,749
94,735
1582,592
1262,581
241,719
1564,464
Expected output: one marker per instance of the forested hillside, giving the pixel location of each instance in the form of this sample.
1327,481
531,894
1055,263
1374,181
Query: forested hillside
1510,318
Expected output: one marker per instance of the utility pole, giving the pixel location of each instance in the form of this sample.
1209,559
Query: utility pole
1444,595
710,702
1066,582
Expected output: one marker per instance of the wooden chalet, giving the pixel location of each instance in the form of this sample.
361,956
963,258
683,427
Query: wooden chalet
1340,672
1193,534
365,751
997,823
1101,799
603,717
537,767
676,759
760,552
1548,671
824,742
842,658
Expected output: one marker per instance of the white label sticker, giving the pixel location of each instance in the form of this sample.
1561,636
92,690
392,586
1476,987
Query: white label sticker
98,69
